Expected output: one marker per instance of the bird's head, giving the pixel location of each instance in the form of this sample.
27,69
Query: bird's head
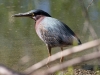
34,14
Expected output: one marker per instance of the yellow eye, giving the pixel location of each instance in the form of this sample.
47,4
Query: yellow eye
33,14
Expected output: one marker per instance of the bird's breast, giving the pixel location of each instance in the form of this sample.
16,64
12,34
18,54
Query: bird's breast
38,22
38,26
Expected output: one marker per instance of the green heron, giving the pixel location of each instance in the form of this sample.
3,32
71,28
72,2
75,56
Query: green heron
51,31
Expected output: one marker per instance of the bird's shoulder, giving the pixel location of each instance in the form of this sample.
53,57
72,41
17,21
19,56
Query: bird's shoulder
51,21
56,25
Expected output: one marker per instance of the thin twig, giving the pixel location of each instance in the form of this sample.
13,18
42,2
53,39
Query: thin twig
7,71
88,25
89,4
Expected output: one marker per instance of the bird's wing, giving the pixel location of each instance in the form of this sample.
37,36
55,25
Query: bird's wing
56,32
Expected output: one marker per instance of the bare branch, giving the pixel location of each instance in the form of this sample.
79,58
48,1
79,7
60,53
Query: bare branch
89,4
7,71
71,63
87,24
66,52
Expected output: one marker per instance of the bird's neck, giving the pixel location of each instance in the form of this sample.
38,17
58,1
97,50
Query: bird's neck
38,24
39,19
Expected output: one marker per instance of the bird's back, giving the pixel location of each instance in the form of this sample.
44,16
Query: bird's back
55,33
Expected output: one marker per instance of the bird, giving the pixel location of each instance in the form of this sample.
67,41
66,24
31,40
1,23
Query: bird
51,31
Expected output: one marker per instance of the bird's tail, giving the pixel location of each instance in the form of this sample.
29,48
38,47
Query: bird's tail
79,42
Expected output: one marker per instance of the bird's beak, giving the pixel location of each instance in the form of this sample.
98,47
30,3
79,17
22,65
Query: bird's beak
22,15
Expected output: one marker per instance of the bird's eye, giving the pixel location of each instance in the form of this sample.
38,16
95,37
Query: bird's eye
33,14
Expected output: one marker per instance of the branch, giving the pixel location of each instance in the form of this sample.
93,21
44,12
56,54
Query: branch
87,21
7,71
89,4
87,24
71,63
66,52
